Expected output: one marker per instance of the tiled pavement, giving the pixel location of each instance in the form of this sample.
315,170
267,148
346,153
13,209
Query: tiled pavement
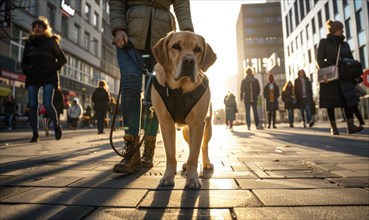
271,174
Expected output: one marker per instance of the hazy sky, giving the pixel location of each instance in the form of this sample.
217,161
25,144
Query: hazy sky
216,21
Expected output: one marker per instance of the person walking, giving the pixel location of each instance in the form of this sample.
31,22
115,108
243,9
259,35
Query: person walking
100,98
288,97
338,93
10,110
230,109
75,111
137,26
271,95
360,92
304,96
250,90
42,58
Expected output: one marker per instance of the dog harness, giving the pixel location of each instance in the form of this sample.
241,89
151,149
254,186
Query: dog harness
180,104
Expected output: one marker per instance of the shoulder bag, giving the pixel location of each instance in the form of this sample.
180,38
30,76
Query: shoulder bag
329,73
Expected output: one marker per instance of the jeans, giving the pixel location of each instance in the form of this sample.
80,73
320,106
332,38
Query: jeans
254,110
305,106
290,116
48,94
100,116
131,76
10,117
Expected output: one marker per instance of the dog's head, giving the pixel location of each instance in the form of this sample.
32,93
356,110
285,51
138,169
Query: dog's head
184,55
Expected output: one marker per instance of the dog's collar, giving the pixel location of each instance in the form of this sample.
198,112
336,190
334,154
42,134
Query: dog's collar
179,104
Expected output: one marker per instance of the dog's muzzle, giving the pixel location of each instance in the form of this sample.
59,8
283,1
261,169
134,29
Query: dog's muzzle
188,67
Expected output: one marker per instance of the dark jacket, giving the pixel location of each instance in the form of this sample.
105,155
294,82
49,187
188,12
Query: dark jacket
10,105
330,93
274,104
298,90
230,106
288,98
101,99
250,89
42,58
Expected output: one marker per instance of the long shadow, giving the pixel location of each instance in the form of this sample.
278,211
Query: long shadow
320,138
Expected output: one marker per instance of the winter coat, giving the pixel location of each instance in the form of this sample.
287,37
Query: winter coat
335,93
101,99
250,89
138,20
75,111
298,90
230,106
42,58
288,98
271,106
10,106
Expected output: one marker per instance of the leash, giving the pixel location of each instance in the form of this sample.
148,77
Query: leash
145,72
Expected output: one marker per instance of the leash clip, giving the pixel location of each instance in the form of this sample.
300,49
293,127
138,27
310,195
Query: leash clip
151,112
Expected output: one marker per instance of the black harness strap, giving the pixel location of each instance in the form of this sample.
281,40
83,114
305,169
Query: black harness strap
180,104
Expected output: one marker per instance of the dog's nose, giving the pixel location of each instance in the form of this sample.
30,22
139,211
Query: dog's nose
188,67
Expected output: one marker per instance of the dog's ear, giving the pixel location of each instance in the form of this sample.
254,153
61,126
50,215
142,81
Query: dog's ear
160,49
208,58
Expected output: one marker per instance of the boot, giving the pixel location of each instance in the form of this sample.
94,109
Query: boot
131,161
35,137
147,159
351,128
58,132
334,129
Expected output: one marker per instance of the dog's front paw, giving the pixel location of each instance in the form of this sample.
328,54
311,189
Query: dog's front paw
167,179
193,181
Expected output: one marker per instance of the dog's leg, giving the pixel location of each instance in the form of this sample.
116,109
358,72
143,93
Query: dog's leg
205,145
169,138
196,131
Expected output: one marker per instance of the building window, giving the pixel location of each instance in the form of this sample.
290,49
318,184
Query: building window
31,7
287,27
307,32
87,41
335,7
326,9
347,27
302,9
94,46
309,55
363,53
88,12
307,6
95,21
97,2
344,2
313,25
297,21
51,14
16,46
359,19
320,22
76,34
64,26
358,4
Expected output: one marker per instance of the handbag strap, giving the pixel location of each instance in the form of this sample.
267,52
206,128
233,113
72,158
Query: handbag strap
338,54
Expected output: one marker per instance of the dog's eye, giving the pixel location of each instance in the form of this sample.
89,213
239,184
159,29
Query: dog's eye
197,50
176,46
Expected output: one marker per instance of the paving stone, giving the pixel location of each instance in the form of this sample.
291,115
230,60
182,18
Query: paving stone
274,166
126,213
56,181
300,174
316,213
284,183
79,196
349,173
293,197
199,199
6,192
30,211
358,182
356,166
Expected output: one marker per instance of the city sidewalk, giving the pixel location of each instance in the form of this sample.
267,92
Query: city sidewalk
284,173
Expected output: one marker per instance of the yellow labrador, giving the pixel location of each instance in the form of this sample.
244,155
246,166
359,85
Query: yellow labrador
181,96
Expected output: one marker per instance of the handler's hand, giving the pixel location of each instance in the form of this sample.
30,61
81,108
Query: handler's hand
120,38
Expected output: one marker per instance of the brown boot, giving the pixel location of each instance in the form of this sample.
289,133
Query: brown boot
131,161
147,159
334,129
351,128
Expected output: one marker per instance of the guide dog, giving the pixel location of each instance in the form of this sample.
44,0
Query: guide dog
181,96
